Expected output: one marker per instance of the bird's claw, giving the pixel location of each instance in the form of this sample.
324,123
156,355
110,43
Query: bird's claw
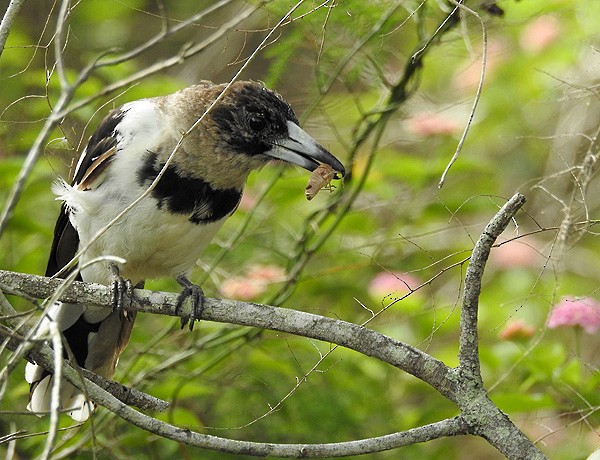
121,293
196,297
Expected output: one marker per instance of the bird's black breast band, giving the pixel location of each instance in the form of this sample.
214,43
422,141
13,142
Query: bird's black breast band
189,196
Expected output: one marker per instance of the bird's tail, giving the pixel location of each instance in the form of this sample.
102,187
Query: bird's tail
94,338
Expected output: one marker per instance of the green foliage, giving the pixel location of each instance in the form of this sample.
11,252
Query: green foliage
537,112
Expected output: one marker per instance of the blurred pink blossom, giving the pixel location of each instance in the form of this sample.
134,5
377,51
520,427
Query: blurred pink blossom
240,288
468,77
540,33
517,253
253,283
432,124
517,330
266,273
571,311
386,283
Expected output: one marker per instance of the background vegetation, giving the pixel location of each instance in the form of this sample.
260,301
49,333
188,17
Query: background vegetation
391,231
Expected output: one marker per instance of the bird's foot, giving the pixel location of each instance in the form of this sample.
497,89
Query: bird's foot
196,297
121,293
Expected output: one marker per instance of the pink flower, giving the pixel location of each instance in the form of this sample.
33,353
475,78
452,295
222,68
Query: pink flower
253,283
386,283
431,124
517,253
571,311
517,330
240,288
540,34
266,273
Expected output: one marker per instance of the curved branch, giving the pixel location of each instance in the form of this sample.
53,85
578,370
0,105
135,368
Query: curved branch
449,427
468,347
45,357
164,34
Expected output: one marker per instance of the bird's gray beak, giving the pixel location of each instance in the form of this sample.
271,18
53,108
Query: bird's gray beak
302,150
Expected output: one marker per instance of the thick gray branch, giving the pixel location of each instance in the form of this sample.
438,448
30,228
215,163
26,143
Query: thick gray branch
473,399
468,348
358,338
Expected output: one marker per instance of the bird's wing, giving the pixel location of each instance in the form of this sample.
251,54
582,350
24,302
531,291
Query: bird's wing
82,337
64,245
97,155
99,151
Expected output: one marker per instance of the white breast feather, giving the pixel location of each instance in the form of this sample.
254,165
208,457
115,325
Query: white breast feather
154,243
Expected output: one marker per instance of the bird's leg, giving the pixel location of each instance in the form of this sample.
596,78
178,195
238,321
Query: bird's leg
121,292
196,296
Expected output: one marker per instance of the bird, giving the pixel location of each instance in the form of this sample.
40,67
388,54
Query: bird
197,148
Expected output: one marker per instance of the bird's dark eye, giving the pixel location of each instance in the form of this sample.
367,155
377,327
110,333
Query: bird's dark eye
257,122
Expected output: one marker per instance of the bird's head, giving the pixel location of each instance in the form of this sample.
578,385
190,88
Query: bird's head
257,125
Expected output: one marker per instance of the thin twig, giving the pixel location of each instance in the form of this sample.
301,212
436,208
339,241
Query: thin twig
463,137
56,388
60,38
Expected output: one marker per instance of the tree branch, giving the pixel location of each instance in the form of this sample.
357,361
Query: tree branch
7,21
468,347
349,335
42,354
473,399
463,385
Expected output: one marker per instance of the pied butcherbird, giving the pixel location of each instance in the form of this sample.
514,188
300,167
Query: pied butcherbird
164,234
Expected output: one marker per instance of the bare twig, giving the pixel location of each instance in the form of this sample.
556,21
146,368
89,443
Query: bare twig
586,171
166,32
60,38
56,387
463,137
